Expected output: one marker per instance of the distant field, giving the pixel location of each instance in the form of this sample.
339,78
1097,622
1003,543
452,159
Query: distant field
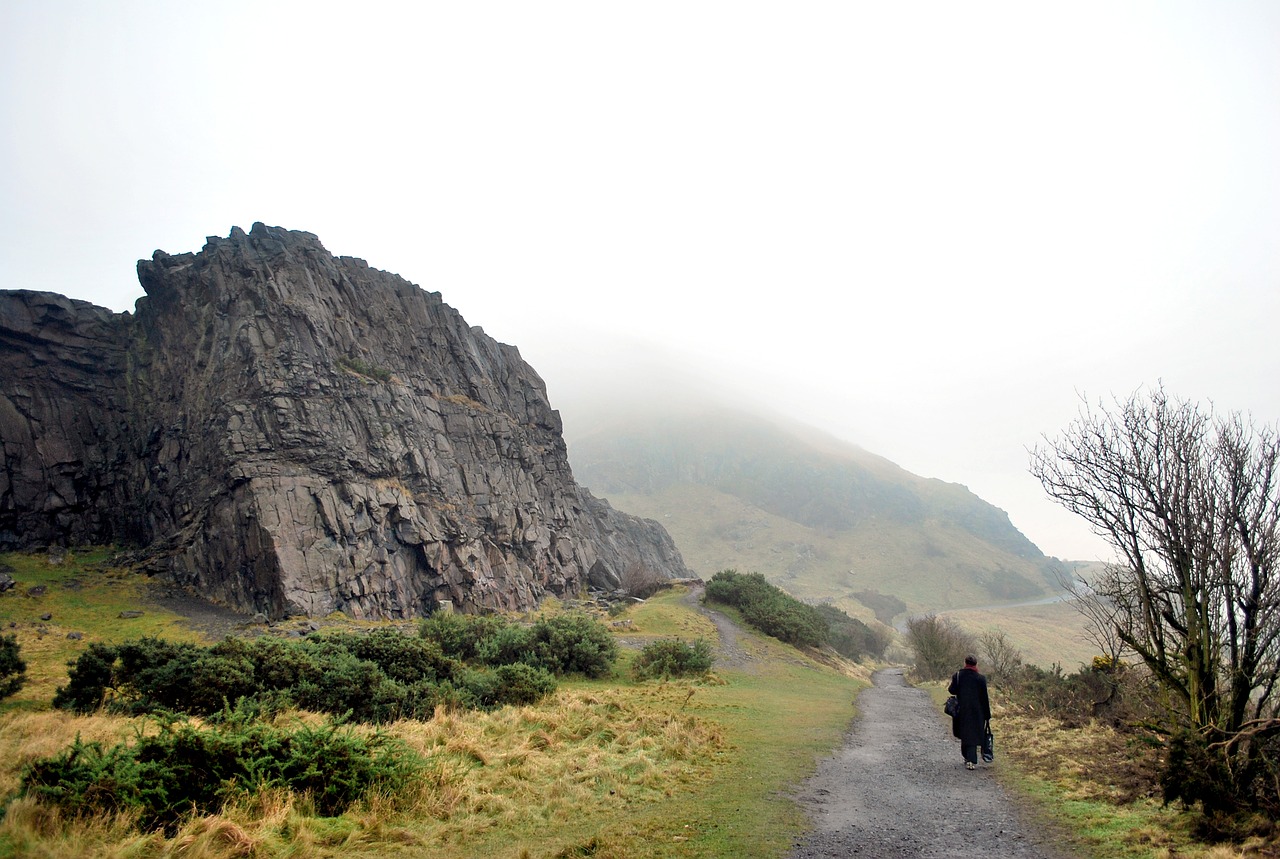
1044,633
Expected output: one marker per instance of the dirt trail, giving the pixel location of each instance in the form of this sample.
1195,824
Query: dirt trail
729,650
899,789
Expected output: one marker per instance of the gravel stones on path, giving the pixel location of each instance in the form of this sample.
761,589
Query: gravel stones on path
899,788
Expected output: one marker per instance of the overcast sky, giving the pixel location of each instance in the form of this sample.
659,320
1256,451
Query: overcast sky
926,227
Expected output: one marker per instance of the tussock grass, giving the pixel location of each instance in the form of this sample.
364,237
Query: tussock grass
34,831
585,753
212,837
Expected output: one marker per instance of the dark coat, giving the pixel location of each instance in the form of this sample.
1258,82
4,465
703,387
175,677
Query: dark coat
970,721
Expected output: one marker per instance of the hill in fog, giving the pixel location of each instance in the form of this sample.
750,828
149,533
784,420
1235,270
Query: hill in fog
822,518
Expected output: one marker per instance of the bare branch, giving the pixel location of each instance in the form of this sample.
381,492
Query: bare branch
1190,503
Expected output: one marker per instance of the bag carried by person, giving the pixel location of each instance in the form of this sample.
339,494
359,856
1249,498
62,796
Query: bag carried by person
988,746
952,706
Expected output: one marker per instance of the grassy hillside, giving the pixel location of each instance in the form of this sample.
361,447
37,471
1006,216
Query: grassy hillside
1046,634
826,521
609,768
929,566
823,519
83,598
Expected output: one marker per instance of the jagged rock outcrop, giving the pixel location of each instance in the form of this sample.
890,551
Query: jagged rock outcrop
297,433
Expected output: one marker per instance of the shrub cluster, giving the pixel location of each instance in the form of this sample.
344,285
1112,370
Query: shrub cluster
851,637
1116,694
1184,766
564,644
184,769
13,670
767,608
673,658
376,677
364,368
772,611
939,644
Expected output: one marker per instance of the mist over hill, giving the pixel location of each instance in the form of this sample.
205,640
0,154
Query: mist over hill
823,518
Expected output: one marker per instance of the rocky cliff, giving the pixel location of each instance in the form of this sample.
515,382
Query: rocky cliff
296,433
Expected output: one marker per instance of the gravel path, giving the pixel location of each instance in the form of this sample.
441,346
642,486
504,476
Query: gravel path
899,789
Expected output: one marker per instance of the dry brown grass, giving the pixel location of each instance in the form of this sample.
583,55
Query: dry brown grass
550,763
1091,762
1101,785
212,837
34,831
29,736
515,772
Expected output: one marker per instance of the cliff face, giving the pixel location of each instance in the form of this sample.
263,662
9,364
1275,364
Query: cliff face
63,421
291,432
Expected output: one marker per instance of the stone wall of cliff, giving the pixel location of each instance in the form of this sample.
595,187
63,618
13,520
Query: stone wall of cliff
296,433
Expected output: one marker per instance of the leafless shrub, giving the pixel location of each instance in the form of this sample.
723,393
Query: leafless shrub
1001,660
939,644
641,581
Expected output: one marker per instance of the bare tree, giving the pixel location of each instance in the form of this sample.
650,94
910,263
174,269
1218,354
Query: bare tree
940,646
1100,612
1191,504
641,581
1001,659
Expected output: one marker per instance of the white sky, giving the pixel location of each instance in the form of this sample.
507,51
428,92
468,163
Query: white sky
927,227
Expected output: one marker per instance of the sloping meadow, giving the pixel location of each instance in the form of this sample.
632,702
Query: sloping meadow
604,765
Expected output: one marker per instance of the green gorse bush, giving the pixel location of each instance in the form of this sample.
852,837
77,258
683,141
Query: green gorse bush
572,643
187,770
13,670
774,612
767,608
673,658
376,677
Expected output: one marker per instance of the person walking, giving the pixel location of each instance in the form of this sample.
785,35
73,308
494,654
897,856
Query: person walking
973,713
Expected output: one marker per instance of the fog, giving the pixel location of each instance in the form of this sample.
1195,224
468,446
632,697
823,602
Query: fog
926,228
